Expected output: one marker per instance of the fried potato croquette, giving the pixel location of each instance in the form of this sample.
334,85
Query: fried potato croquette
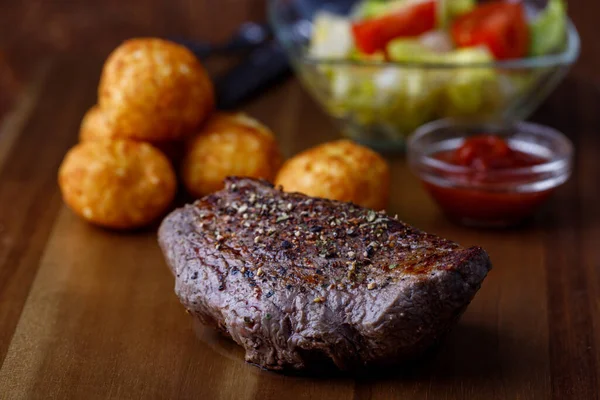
229,145
95,126
340,170
154,90
118,184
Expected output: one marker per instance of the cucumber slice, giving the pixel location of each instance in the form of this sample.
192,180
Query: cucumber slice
549,29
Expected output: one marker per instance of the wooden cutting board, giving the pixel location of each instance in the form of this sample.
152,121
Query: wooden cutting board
89,313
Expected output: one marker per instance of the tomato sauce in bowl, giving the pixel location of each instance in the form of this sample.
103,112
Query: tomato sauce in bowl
494,179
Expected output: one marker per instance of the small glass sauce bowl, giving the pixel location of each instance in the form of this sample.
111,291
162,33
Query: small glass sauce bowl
494,197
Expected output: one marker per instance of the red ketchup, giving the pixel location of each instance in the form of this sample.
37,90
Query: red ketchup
475,197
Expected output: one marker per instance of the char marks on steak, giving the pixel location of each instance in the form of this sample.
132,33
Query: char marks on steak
293,278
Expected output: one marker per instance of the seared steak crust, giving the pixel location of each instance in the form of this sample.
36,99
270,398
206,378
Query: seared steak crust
294,279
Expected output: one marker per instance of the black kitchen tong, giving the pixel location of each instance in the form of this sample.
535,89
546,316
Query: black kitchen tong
264,64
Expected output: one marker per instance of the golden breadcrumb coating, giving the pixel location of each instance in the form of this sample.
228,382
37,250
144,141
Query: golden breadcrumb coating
117,184
340,170
154,90
229,145
95,126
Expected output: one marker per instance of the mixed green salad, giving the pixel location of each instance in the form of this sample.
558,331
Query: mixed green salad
437,33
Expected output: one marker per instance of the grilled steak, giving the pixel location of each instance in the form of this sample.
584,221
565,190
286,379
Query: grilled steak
295,279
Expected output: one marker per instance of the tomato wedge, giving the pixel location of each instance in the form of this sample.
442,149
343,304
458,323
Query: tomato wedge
501,27
374,34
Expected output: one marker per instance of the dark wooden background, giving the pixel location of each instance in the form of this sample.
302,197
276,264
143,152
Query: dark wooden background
86,313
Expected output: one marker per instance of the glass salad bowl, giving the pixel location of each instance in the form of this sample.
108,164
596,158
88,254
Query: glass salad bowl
379,102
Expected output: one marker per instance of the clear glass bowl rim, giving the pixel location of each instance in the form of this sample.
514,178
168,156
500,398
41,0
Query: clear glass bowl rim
567,57
559,165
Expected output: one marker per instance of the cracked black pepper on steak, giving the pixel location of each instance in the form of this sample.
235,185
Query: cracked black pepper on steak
296,280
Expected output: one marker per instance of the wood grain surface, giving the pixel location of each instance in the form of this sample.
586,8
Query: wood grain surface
88,313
